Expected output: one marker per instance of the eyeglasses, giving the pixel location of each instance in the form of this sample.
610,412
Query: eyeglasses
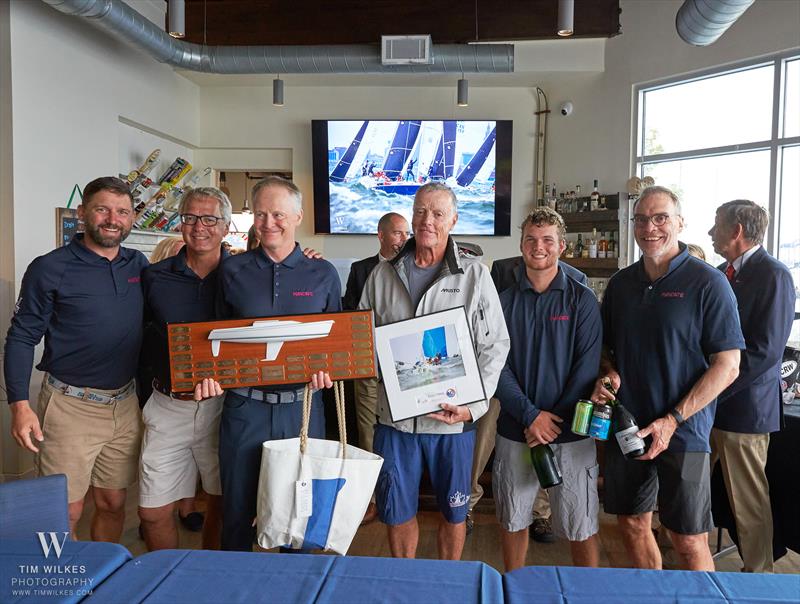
209,221
640,220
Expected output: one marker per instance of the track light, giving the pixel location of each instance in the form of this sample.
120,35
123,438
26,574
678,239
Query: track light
566,17
463,92
177,18
277,92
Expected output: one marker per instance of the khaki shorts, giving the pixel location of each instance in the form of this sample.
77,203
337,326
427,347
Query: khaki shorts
181,440
574,503
92,443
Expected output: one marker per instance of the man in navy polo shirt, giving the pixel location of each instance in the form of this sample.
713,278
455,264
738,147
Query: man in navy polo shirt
181,434
556,337
273,279
672,342
750,408
85,299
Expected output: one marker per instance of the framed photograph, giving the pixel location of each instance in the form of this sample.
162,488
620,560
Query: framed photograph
427,361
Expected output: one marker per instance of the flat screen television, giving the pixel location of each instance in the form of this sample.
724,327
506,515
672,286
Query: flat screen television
366,168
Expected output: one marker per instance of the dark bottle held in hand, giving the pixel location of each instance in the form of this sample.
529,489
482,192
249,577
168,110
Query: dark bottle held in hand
625,428
544,464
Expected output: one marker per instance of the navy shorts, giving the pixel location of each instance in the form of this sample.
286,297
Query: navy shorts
448,459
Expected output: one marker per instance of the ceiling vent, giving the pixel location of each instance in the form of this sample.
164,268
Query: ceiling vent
406,50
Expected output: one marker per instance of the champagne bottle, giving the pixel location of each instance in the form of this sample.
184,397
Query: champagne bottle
624,427
593,244
544,464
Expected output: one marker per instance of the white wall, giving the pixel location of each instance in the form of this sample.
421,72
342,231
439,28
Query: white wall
597,138
595,142
70,86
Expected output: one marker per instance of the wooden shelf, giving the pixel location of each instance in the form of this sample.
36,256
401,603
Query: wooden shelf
583,222
594,267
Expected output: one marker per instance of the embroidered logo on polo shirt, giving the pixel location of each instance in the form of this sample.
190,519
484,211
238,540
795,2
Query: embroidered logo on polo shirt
451,290
134,279
559,318
302,294
672,294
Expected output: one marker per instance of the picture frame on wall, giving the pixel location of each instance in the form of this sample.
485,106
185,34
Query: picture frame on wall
427,361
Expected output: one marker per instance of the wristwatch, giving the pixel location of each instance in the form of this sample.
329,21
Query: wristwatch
679,419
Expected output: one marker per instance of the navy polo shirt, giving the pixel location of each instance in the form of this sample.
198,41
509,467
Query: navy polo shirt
661,334
252,285
173,293
556,339
88,309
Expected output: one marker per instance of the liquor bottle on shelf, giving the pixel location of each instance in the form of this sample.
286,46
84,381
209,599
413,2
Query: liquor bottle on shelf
624,427
602,246
579,247
601,290
612,247
594,198
580,205
570,251
602,205
593,244
544,464
543,201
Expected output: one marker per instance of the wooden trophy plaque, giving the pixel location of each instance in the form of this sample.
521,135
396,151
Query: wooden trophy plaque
274,350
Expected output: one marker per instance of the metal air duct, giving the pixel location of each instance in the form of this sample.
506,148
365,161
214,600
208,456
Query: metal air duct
702,22
121,21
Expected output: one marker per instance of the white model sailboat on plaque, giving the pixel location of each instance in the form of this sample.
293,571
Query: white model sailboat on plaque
272,333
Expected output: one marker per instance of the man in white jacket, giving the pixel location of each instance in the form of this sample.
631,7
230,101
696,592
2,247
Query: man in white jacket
427,276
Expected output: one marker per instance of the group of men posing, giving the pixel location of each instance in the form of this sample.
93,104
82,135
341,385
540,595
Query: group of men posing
668,336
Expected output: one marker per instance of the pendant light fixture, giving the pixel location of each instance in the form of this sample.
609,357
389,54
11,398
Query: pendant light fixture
277,91
463,92
176,21
566,18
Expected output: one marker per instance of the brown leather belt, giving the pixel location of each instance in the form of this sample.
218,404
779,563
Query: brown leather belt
181,396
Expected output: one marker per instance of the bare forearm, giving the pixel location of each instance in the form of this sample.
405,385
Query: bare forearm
720,374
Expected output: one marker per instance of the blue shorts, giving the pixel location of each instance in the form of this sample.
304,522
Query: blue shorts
448,459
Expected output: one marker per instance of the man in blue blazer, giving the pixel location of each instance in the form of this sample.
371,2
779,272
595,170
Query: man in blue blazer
750,408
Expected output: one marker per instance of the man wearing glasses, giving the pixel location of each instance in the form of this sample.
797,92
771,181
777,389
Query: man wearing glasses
273,279
672,344
182,430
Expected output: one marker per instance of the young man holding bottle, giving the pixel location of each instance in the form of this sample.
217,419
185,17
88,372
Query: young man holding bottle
556,337
672,342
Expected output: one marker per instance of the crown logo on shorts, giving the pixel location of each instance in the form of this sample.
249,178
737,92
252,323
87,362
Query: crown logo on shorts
458,499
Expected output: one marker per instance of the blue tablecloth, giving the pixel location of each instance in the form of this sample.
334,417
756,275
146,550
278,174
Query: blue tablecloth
196,577
566,585
27,576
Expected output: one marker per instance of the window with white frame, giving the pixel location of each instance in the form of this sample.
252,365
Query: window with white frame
729,134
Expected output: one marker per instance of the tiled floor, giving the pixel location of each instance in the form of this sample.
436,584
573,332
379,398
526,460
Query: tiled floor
483,544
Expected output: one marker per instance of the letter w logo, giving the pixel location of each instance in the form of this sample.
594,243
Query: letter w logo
54,543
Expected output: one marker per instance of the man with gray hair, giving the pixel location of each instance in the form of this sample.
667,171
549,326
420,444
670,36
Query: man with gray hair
181,438
750,408
273,279
672,342
427,276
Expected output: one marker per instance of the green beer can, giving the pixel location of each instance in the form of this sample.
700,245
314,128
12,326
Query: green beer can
582,417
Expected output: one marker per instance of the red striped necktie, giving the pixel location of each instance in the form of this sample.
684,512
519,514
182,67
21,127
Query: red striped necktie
730,272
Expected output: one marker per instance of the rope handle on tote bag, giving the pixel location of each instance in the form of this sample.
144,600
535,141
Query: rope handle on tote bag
338,391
